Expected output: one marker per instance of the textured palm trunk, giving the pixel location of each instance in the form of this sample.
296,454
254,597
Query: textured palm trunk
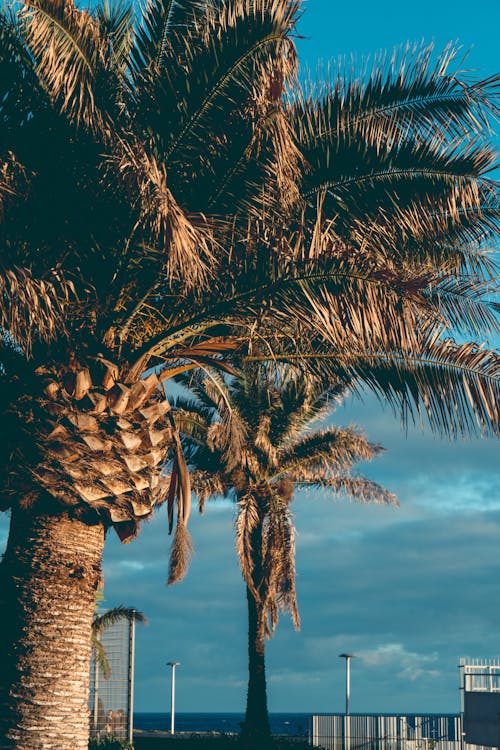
48,577
256,726
257,716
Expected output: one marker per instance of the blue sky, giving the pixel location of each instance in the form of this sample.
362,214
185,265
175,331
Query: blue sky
409,590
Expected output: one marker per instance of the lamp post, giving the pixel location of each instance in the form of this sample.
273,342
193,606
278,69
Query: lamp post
172,664
347,658
347,719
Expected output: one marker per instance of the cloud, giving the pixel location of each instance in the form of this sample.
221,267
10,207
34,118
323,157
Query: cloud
407,664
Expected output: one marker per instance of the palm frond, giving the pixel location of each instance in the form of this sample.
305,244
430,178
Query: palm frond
247,521
67,44
177,247
208,485
355,487
412,90
180,554
117,614
33,309
237,36
455,387
21,94
464,306
159,18
117,21
278,562
332,449
101,657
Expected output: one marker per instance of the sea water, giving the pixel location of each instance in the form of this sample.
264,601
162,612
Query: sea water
293,725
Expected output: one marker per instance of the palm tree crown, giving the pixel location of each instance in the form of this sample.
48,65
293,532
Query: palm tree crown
170,195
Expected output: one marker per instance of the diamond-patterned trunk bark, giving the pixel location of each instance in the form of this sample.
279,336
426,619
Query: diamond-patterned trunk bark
48,580
84,437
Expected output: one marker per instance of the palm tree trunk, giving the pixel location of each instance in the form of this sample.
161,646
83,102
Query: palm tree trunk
257,716
48,579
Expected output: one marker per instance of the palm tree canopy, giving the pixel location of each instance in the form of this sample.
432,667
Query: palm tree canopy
255,438
171,198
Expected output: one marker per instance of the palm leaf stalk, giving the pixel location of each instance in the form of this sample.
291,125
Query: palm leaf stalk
255,439
170,200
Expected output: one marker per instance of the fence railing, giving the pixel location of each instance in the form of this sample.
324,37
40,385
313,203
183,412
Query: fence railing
389,732
111,699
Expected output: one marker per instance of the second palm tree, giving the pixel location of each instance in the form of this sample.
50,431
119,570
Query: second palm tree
248,439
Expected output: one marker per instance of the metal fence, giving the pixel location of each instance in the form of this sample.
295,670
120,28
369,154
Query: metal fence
479,675
389,732
111,700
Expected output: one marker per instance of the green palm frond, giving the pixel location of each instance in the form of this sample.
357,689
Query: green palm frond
351,171
154,34
219,66
331,449
101,622
455,387
21,94
117,21
117,614
413,89
101,657
465,305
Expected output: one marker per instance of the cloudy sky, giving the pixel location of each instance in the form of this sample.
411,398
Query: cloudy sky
408,590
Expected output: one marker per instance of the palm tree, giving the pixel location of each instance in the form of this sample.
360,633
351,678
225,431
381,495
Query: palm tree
167,202
254,439
116,139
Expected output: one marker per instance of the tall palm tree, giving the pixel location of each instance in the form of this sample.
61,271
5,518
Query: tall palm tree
116,137
254,439
167,201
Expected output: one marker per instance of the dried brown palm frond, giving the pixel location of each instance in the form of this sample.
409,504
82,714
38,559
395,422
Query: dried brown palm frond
163,222
355,487
70,52
247,522
33,308
278,563
263,442
273,125
180,554
13,179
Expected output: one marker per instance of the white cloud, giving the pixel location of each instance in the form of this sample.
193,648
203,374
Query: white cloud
407,664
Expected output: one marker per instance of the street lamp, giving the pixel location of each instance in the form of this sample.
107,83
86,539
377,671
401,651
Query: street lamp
172,664
347,658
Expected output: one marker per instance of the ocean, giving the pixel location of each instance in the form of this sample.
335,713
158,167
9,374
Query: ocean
292,725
